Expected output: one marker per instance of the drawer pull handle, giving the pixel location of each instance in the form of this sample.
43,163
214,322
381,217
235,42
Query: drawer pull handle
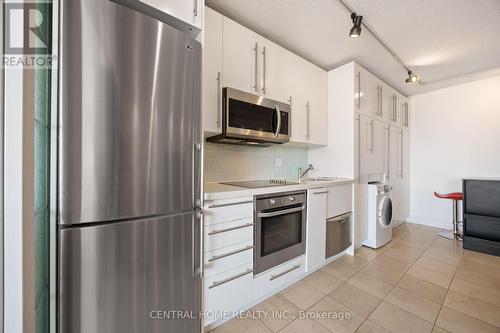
215,232
220,256
323,192
230,204
274,277
229,279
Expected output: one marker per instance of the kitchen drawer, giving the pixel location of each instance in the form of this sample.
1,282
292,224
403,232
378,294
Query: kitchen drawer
226,258
482,227
482,197
225,234
228,291
339,200
221,211
277,278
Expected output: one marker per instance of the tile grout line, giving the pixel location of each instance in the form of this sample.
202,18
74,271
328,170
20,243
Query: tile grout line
395,285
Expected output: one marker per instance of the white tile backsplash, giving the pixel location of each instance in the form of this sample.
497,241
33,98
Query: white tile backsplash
231,162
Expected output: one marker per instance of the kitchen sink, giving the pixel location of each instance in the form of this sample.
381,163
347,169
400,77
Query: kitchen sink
321,179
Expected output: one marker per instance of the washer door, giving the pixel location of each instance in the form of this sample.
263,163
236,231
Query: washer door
385,212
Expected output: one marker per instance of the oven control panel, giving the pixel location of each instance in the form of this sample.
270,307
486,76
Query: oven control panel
277,200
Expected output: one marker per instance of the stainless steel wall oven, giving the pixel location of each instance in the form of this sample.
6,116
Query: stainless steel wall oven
280,228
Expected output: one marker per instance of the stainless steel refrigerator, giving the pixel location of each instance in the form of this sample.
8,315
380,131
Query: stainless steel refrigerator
129,173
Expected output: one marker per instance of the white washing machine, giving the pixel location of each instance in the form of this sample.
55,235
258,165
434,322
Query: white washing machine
379,215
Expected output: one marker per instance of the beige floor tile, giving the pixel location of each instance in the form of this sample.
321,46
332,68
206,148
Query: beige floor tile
242,326
430,229
356,299
447,256
371,285
348,324
354,262
397,320
414,304
382,273
435,265
302,295
458,322
423,288
392,263
473,307
479,266
439,330
484,280
277,312
323,281
449,245
305,326
468,288
409,254
339,271
482,258
429,275
367,253
370,327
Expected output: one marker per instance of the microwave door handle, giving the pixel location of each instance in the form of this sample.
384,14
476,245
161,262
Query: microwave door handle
278,114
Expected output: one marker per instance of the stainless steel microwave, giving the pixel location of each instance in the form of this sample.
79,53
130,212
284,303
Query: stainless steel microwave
249,119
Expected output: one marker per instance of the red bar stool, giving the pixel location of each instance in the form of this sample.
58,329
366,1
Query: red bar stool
456,197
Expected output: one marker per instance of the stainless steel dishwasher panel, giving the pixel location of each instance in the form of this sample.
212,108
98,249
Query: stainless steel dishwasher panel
338,234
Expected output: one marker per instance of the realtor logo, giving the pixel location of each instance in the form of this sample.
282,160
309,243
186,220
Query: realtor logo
28,35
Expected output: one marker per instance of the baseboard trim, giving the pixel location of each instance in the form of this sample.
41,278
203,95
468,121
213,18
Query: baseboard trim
429,222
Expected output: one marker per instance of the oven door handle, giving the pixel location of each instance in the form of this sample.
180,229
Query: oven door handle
282,212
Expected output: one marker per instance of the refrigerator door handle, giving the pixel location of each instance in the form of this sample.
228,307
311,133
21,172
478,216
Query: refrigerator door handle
198,177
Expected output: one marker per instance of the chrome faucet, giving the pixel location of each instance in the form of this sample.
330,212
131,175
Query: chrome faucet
301,174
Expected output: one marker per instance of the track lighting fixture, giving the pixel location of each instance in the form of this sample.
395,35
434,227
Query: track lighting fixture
412,78
356,29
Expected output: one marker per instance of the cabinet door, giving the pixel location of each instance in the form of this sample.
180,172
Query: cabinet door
240,57
318,106
372,136
295,85
316,228
188,11
361,91
212,72
385,93
270,72
357,147
375,95
394,153
405,112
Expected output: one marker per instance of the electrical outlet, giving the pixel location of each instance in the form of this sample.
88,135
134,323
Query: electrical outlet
278,162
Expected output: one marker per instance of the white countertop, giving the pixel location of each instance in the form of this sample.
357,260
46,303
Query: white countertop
217,191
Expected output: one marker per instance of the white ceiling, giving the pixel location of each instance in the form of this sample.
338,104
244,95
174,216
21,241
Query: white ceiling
446,42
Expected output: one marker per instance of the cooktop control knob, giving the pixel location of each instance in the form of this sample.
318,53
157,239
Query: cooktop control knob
291,198
272,201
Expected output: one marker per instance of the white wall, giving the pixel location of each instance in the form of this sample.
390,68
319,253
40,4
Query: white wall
455,134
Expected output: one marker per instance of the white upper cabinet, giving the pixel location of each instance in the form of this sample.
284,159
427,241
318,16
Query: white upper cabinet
237,57
240,55
187,10
318,106
212,72
296,88
372,146
361,91
271,66
404,112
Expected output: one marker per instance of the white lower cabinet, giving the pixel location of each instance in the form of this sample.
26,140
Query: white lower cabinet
229,233
224,259
279,277
227,292
316,228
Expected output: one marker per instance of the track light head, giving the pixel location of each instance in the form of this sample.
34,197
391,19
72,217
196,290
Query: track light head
412,78
356,29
